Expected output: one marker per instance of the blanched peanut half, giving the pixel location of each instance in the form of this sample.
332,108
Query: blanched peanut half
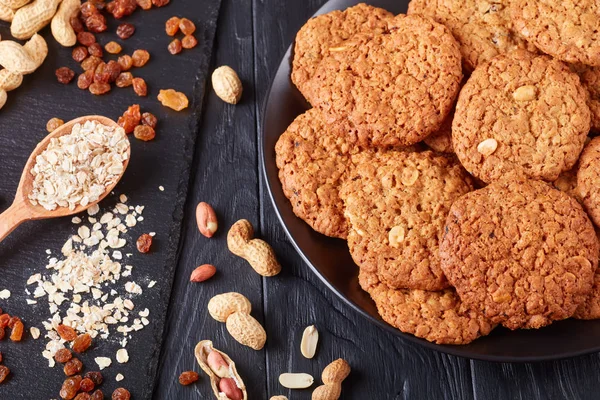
310,339
296,380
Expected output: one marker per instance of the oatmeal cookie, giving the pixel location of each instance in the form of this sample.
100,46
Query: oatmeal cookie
439,317
312,158
441,141
394,88
590,79
396,205
590,308
482,28
521,252
520,112
324,31
567,30
588,179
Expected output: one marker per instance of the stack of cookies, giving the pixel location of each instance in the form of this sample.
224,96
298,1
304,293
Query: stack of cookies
450,148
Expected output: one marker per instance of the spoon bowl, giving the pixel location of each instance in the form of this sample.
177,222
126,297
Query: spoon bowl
22,209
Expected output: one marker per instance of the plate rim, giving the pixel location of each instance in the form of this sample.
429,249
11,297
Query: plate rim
454,350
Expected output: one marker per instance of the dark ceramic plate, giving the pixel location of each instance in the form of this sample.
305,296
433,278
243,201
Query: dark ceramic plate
330,260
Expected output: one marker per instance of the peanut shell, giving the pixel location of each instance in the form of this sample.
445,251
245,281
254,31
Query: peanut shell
31,18
227,84
246,330
14,58
6,14
202,350
61,23
223,305
10,80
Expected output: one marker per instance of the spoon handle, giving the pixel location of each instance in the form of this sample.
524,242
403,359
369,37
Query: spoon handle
12,217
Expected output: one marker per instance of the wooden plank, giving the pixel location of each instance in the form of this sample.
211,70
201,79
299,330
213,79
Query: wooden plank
566,379
225,176
384,366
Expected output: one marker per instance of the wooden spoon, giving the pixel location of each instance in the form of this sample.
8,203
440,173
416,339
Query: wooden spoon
22,210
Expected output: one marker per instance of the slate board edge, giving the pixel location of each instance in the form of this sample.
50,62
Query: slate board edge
173,247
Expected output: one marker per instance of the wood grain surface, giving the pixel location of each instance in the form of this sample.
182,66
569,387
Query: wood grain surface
251,37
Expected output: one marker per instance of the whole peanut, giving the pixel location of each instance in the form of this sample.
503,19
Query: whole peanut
228,386
28,20
6,13
257,252
3,97
61,26
234,309
227,84
14,4
245,329
10,80
332,376
206,219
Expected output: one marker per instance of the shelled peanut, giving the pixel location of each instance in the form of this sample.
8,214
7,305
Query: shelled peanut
221,370
234,309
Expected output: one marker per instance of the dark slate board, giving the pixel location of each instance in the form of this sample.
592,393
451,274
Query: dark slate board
165,161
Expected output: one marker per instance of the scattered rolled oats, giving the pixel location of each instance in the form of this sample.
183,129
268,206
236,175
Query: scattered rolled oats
4,294
35,332
122,356
161,188
76,168
103,362
119,377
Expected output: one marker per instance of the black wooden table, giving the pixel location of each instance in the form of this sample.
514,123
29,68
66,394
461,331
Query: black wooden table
251,37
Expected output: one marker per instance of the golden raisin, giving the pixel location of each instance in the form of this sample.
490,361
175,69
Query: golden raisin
79,53
126,62
86,38
87,385
144,4
95,376
145,133
76,23
83,396
140,58
113,69
16,333
189,42
53,124
130,118
85,80
2,333
91,63
64,75
113,47
149,119
125,79
70,387
144,243
160,3
63,355
172,99
66,332
172,26
121,394
13,320
188,377
97,395
125,31
175,46
73,366
95,50
98,88
81,343
139,87
4,371
0,358
4,318
186,26
96,23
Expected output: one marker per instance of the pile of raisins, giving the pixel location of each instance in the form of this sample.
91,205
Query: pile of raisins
17,328
187,27
98,75
141,125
